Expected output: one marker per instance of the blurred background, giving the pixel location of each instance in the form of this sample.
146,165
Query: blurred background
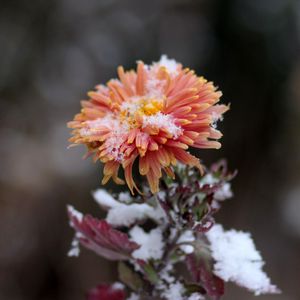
52,52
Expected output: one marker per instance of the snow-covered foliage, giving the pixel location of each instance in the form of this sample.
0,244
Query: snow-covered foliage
151,234
152,244
122,214
237,260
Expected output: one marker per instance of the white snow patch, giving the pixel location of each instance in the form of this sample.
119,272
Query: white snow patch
165,275
161,195
127,214
118,286
75,250
175,291
195,296
208,179
170,64
133,296
161,120
155,87
121,214
224,192
215,118
75,213
104,199
238,260
130,107
152,244
124,197
186,237
118,133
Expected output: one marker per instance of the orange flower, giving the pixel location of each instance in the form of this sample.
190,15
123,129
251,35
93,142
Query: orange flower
154,115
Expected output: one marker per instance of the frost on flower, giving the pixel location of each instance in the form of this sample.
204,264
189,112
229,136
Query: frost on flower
152,244
153,115
238,260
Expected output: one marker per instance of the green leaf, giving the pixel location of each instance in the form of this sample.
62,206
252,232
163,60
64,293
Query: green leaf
150,273
128,276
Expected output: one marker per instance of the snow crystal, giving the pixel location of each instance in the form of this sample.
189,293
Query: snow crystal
117,136
126,215
103,198
175,291
133,296
118,286
132,106
186,237
224,192
124,197
121,214
238,260
93,126
161,120
195,296
151,243
165,275
155,87
161,195
78,215
75,250
169,64
208,179
215,118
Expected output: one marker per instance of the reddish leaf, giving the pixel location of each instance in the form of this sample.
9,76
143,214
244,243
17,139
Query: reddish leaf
100,237
106,292
205,225
202,274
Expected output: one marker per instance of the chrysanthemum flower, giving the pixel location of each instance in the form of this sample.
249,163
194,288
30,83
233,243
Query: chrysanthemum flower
153,114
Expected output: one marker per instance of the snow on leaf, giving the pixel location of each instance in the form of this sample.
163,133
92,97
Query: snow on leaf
152,244
174,291
238,260
100,237
107,292
122,214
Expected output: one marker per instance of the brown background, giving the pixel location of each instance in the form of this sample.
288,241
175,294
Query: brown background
52,52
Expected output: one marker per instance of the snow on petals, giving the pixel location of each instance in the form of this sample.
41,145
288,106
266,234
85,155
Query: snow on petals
238,260
166,122
152,115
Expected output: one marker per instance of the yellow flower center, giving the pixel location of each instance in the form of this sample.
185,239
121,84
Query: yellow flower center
151,106
131,111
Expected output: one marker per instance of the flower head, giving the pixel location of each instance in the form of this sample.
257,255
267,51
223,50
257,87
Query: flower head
153,114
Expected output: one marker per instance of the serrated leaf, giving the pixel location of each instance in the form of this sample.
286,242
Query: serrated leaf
100,237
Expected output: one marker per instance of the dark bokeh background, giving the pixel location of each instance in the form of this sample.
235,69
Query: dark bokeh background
52,52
